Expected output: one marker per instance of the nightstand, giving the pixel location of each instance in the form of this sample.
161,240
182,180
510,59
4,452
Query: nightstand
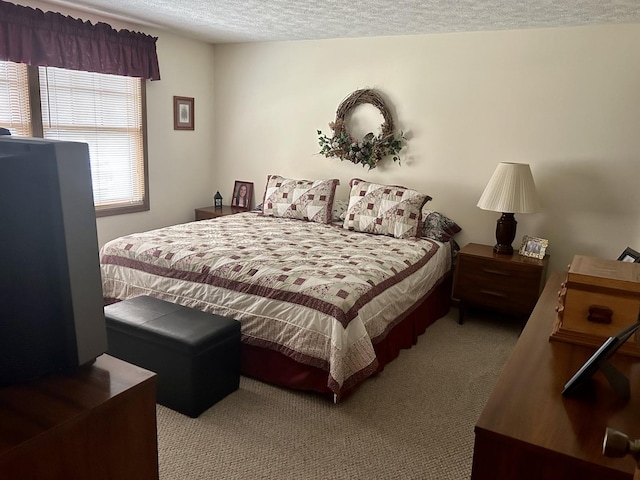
205,213
508,284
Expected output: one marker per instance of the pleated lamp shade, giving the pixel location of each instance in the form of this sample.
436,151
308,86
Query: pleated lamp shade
511,189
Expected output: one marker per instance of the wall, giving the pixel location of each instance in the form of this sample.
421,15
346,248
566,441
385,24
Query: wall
180,162
565,100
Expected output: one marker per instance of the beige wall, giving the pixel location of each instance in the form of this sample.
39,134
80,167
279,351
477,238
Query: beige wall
566,101
180,162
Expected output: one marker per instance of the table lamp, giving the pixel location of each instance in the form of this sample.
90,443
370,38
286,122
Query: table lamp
510,190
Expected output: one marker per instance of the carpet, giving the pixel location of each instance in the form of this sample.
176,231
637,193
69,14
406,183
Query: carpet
414,420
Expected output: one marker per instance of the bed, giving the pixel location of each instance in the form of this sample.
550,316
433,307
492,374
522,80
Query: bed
321,307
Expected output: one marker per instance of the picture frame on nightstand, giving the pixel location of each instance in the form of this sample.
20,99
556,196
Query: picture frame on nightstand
533,247
242,194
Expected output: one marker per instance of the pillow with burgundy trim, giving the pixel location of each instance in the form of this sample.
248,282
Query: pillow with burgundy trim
437,226
384,209
310,200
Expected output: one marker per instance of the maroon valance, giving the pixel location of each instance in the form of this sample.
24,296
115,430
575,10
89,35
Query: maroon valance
34,37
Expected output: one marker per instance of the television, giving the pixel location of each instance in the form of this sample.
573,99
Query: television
51,307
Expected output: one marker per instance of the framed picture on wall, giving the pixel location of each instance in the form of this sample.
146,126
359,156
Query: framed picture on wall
242,194
183,113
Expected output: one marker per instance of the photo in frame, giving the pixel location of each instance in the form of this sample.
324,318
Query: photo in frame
183,113
242,194
598,360
629,255
533,247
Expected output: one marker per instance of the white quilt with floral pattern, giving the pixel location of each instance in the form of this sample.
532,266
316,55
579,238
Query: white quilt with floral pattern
317,293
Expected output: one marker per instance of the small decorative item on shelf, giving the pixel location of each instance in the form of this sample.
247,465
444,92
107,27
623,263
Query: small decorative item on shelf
369,150
217,200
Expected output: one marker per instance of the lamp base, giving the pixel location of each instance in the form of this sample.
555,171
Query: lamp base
505,233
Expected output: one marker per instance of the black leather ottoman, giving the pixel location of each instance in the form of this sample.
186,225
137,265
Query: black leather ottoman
195,354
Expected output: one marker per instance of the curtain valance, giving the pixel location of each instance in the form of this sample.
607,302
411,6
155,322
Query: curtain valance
34,37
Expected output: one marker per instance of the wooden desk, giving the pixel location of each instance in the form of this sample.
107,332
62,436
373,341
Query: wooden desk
99,423
528,430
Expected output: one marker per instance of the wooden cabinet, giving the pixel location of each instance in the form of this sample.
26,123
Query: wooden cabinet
505,283
206,213
96,424
529,431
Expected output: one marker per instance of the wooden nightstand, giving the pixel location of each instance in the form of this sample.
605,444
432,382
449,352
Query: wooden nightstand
505,283
205,213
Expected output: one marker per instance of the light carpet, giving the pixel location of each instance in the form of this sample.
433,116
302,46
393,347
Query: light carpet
414,420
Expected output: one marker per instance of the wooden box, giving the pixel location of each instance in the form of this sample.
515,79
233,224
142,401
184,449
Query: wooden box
599,298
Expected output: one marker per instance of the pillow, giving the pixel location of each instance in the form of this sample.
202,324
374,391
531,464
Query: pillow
438,227
384,209
339,210
300,199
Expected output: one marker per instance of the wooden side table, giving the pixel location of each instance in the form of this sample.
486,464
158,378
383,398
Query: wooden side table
505,283
206,213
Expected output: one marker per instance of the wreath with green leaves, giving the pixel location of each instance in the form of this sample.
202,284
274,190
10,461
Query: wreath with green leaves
369,150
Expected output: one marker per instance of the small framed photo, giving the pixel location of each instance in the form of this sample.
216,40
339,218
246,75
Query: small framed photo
629,255
183,113
533,247
242,194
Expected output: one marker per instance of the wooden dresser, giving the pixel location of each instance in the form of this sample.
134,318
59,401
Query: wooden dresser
529,431
97,424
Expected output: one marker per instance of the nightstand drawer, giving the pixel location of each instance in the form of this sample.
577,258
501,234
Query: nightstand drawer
501,275
516,288
516,300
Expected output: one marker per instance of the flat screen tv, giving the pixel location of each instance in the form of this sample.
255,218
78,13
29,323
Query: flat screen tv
51,309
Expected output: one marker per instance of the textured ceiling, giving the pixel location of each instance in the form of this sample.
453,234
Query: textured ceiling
223,21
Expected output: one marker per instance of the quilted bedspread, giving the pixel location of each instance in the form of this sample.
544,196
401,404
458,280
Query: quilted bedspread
317,293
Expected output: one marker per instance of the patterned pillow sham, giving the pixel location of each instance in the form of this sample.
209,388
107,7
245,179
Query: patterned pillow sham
437,226
339,210
384,209
310,200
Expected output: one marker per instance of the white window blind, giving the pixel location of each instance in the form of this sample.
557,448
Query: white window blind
104,111
14,98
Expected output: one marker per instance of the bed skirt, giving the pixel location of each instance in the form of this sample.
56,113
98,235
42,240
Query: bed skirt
276,368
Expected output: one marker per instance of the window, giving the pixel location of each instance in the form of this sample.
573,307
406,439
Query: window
104,111
14,99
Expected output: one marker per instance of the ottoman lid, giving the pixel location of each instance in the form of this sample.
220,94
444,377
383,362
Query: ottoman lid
178,327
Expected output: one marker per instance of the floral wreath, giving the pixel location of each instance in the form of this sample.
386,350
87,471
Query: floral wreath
371,148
